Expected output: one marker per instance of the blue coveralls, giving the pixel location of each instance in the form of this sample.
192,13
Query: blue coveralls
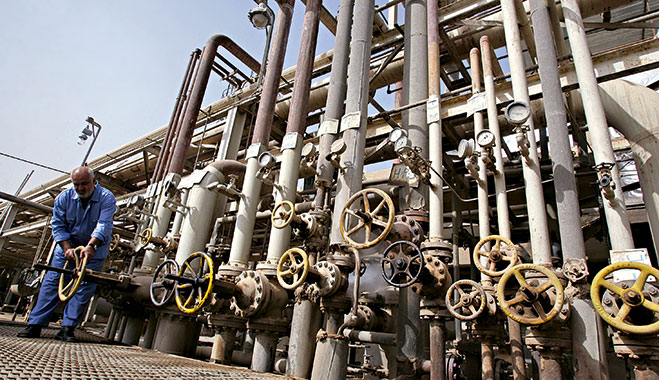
78,225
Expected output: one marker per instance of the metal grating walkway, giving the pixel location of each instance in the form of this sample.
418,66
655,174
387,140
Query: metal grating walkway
48,359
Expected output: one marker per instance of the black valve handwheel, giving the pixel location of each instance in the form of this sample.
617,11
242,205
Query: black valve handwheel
162,287
402,264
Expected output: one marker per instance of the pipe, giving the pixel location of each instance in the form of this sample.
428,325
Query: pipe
437,348
336,95
305,324
263,357
230,167
179,154
487,360
29,204
291,155
616,214
503,218
387,339
588,361
354,135
242,237
436,195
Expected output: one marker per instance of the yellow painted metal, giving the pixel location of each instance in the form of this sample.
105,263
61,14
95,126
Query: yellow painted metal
203,275
145,236
283,214
367,218
65,292
293,268
497,254
466,305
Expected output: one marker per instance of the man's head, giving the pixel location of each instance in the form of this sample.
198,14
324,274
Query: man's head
83,181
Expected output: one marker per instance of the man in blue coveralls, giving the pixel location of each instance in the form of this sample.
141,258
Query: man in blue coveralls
82,216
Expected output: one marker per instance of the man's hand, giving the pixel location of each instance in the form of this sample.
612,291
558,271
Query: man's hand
70,254
88,252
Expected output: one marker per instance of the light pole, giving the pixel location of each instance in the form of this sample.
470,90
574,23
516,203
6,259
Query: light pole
92,129
262,17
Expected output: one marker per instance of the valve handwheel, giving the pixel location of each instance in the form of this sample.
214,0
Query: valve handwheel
162,287
115,242
501,257
195,282
145,236
380,218
465,300
283,214
66,292
536,298
293,268
402,264
633,300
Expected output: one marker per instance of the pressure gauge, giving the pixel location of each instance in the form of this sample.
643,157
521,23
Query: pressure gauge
402,144
395,134
485,139
338,147
465,148
266,160
136,200
517,113
308,150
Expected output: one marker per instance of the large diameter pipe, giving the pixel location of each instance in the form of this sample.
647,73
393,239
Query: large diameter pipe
28,204
246,215
437,350
331,359
354,135
336,95
531,166
436,195
302,341
503,219
179,154
291,155
619,229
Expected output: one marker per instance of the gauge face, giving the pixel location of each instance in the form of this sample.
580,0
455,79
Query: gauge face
338,146
396,134
401,143
308,149
465,149
517,113
266,160
485,139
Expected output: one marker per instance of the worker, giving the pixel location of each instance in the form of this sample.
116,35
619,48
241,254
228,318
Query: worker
82,216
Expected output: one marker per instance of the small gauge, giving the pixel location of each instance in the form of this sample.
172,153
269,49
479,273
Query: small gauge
465,148
402,144
395,134
266,160
485,139
308,150
137,200
517,113
338,146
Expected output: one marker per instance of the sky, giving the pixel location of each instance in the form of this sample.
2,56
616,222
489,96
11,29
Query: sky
120,62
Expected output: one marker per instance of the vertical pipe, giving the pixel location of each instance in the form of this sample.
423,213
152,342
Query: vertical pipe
516,350
223,342
336,95
354,134
437,349
531,166
108,326
456,221
151,324
242,237
487,360
297,117
436,195
503,218
302,341
263,357
616,214
585,342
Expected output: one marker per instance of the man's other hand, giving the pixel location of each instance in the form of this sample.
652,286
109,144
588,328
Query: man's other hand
70,254
87,252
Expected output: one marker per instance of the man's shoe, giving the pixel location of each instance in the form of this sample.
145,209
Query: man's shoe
66,334
31,331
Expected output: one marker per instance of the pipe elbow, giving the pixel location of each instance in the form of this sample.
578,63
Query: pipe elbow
232,47
229,167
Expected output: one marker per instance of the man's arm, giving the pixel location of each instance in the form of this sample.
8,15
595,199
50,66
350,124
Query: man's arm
58,225
103,231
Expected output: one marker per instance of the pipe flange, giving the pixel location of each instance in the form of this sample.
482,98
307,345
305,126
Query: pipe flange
406,228
331,279
231,270
254,294
268,267
440,248
575,270
268,325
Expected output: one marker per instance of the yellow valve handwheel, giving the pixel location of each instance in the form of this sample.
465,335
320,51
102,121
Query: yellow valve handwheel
465,300
283,214
293,268
145,236
631,298
115,242
500,257
366,219
66,292
195,282
536,299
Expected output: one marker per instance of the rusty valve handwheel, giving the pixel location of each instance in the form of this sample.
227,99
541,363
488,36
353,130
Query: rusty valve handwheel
283,214
145,236
502,254
114,244
536,298
195,282
633,302
162,287
293,268
65,292
465,300
402,263
380,218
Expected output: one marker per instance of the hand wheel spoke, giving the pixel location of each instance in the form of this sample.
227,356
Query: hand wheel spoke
492,266
505,257
356,228
367,232
497,245
367,207
287,272
157,285
378,222
184,286
200,294
612,287
189,299
187,265
543,287
520,278
514,301
651,305
640,281
379,207
539,310
483,253
623,313
460,291
472,309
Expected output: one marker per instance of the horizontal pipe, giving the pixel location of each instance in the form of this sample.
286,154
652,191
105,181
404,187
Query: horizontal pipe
370,336
29,204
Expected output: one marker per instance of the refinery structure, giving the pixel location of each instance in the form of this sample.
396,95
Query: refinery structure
457,190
